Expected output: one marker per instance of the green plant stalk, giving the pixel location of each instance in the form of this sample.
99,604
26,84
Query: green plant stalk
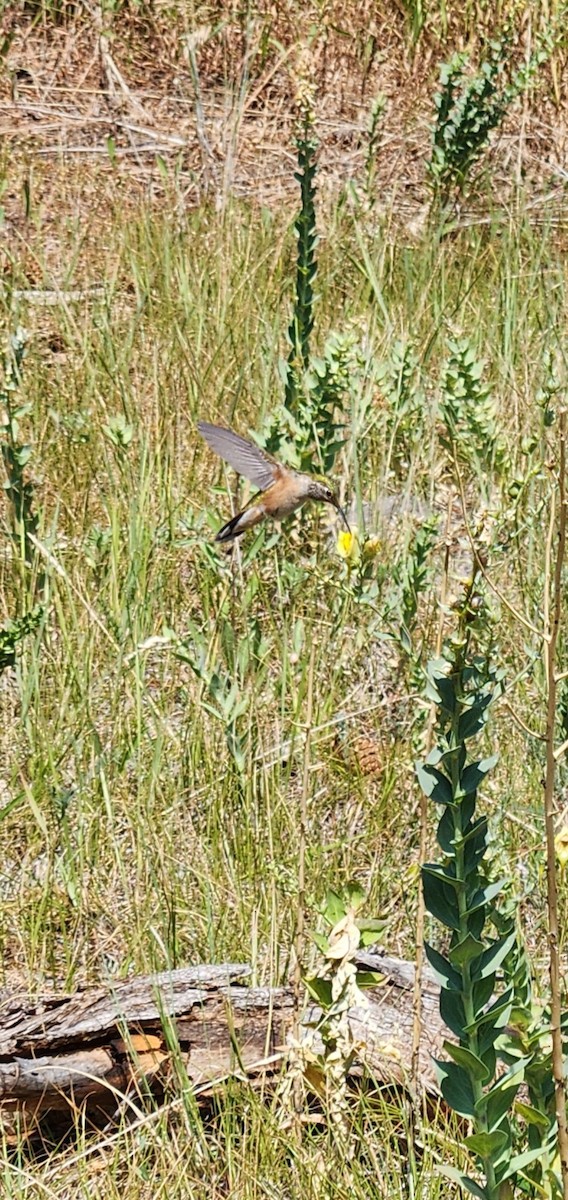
423,811
461,876
15,455
473,1002
303,319
11,453
305,428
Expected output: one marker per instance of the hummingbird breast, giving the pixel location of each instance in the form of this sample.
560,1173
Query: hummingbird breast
284,497
284,507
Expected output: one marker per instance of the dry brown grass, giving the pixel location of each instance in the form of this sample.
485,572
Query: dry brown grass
87,125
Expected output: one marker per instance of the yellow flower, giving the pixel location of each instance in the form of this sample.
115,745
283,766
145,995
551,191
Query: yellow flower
561,846
348,547
371,547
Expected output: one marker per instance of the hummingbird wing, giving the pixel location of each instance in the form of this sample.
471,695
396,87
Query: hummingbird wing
246,458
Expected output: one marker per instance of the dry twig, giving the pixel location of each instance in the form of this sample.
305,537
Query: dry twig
552,619
300,917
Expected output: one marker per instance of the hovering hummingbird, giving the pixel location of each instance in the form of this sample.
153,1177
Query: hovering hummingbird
282,489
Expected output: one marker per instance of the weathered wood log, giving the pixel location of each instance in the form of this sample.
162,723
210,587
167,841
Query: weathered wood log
60,1052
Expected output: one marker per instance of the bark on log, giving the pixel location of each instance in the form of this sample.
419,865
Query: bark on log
64,1051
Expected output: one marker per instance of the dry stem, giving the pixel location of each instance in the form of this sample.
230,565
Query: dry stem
552,628
300,917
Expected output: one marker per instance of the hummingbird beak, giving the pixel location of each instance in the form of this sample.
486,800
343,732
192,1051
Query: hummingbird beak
337,505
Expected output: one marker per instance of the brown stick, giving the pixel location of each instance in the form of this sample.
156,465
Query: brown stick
552,629
299,940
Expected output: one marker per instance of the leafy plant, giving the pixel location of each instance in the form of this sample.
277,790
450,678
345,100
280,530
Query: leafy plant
225,694
119,431
223,699
398,380
414,575
303,431
527,1038
478,995
302,323
470,106
20,494
331,380
16,454
14,632
340,914
468,412
336,989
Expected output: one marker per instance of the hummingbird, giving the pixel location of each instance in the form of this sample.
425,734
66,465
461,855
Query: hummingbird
282,490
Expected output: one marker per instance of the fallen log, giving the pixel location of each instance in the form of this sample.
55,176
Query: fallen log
89,1049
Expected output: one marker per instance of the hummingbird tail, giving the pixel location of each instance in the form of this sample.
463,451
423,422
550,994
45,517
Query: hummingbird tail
229,532
239,524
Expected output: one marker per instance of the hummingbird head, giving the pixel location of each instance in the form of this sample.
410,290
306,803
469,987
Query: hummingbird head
319,489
